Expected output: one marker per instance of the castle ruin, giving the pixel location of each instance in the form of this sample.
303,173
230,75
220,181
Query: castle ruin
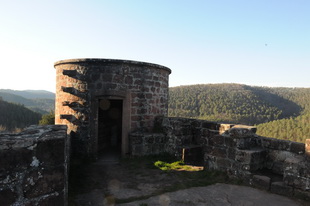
121,105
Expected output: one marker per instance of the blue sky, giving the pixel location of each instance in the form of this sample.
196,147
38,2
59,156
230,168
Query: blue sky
254,42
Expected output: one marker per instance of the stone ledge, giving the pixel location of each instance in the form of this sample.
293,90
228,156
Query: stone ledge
261,182
281,189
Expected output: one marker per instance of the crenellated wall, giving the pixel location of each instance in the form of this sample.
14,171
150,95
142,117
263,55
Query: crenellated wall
34,166
280,166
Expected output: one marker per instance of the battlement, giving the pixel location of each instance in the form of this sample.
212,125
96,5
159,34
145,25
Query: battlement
280,166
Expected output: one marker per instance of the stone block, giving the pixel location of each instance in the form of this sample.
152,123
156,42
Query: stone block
216,140
149,139
159,138
128,80
147,149
93,77
275,160
7,197
136,139
299,182
281,189
250,156
15,159
244,143
136,118
261,182
210,162
297,148
210,125
270,143
250,167
55,199
230,142
197,124
293,165
197,136
137,150
239,132
275,144
217,151
51,152
117,78
48,181
186,140
277,168
304,195
284,144
156,149
209,133
224,164
186,130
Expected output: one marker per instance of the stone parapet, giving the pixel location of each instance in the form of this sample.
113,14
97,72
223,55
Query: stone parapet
266,163
34,166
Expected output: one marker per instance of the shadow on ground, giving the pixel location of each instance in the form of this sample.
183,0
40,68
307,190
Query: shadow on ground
111,181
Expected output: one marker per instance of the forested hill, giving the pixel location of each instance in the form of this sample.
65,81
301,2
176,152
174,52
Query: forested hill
37,103
14,116
31,94
236,103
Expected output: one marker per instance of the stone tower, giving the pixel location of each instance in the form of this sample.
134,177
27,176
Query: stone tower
103,100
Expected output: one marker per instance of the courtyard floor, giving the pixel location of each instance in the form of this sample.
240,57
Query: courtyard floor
111,181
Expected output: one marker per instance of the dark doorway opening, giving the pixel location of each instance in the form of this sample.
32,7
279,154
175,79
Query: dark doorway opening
110,113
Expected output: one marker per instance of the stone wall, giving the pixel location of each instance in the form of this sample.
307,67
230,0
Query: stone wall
277,165
175,136
83,83
264,162
34,166
147,143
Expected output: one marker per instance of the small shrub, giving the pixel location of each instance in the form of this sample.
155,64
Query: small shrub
2,128
48,119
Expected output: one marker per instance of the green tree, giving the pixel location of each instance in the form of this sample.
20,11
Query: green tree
48,119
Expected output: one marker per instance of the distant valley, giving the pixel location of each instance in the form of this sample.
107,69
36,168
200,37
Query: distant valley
19,109
36,100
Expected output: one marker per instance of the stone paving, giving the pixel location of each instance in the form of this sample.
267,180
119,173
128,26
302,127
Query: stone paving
107,181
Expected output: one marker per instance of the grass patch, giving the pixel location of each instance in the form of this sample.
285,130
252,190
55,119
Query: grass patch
146,162
178,165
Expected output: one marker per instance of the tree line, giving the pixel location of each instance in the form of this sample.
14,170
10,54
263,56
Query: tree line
14,116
